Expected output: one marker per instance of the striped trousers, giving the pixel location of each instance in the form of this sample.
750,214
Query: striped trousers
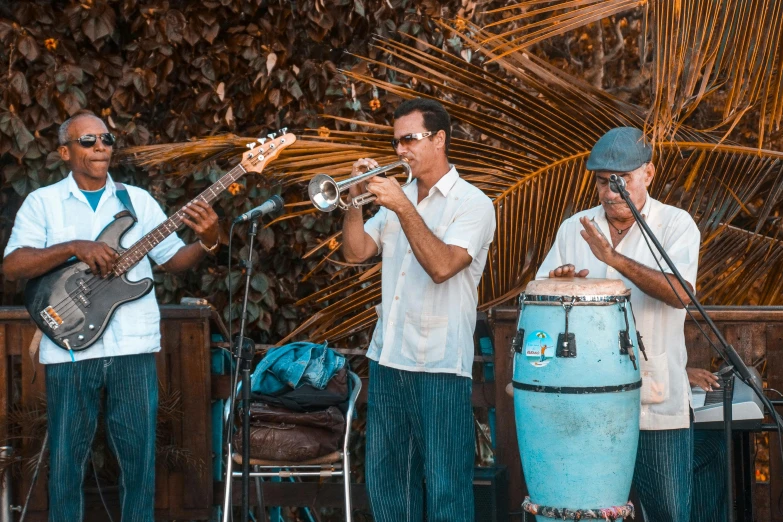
419,428
73,394
709,476
664,473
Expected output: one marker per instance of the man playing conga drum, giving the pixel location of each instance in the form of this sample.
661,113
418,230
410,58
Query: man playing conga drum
434,236
605,242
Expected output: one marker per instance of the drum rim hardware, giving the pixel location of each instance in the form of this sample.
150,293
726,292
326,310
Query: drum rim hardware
566,342
576,390
608,513
574,300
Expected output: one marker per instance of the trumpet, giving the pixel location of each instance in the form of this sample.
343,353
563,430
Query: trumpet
326,193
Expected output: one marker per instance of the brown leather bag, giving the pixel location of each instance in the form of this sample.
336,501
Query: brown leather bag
282,435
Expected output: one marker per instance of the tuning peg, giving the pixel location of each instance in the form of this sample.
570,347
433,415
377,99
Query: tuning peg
271,136
283,130
261,140
250,145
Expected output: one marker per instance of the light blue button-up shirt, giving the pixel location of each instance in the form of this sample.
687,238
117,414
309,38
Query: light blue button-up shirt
423,326
60,213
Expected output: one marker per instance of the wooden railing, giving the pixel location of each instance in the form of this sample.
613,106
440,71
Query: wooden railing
183,367
183,370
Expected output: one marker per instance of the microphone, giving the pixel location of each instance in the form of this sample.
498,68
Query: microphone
272,204
617,184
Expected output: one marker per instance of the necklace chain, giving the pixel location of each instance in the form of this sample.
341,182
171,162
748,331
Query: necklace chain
619,230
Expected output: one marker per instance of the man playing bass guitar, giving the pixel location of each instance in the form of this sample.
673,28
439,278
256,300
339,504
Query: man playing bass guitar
54,225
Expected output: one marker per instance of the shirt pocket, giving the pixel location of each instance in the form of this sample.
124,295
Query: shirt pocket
655,379
55,236
424,338
389,237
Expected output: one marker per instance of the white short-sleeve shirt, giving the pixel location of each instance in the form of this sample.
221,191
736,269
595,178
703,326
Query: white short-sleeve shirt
665,388
423,326
60,213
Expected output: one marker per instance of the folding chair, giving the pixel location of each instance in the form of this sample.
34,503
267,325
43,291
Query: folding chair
337,464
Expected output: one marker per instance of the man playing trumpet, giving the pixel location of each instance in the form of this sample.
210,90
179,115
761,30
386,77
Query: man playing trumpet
434,235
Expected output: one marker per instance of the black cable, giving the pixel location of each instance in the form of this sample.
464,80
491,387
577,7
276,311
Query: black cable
228,430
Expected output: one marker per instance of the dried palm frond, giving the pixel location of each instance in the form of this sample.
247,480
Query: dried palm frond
740,260
561,20
736,45
709,181
728,48
537,126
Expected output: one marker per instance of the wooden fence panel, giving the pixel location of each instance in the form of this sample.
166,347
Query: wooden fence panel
183,370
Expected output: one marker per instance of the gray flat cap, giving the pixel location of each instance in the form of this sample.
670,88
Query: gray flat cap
622,149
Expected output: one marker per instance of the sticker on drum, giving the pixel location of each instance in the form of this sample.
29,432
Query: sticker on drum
539,348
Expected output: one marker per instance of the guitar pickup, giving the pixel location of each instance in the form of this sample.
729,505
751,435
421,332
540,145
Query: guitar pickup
51,317
83,300
83,287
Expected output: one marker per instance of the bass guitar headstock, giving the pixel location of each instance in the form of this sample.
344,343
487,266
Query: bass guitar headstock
264,150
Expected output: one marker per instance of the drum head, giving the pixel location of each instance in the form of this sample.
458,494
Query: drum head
577,286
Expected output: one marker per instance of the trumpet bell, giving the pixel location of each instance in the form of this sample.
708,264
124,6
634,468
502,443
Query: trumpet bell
324,193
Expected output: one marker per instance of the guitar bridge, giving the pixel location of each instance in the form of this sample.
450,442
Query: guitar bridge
51,317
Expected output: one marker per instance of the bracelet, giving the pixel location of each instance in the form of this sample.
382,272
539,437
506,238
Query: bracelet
212,249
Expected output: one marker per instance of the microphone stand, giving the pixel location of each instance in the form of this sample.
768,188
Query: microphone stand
734,362
244,350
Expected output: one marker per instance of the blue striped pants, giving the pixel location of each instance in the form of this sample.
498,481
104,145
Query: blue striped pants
664,473
419,428
73,395
709,476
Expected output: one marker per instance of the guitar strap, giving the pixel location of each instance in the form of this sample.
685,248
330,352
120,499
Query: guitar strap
122,194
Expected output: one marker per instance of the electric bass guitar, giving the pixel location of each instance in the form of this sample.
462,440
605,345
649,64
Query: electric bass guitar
72,306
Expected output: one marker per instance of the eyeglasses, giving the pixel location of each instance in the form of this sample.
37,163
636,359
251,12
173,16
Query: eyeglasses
410,138
88,140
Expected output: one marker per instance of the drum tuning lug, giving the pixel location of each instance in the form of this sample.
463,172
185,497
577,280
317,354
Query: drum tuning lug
641,345
626,346
566,345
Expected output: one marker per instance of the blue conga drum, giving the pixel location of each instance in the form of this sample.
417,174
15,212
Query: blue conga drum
576,398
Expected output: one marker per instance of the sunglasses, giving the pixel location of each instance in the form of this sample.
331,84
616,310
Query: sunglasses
88,140
409,138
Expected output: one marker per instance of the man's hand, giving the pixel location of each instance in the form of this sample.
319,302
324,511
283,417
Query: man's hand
100,257
388,193
360,167
702,378
598,243
568,271
203,220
